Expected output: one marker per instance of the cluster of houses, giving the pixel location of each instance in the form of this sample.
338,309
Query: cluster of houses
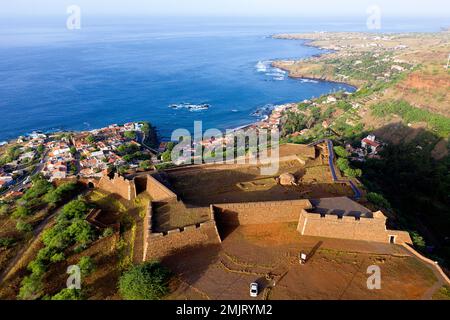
88,154
273,121
98,148
59,160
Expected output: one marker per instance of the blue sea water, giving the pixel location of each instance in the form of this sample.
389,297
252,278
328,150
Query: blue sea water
117,70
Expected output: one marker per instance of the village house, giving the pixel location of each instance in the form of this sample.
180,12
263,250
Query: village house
331,99
371,145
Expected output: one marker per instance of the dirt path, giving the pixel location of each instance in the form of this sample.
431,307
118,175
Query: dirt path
36,235
441,277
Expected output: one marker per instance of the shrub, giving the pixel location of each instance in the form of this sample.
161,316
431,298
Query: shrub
61,193
4,209
6,242
439,123
39,188
166,156
20,212
57,257
130,135
418,240
341,152
443,293
148,281
108,232
68,294
30,287
22,226
353,173
343,164
343,105
86,265
146,165
37,267
45,254
378,200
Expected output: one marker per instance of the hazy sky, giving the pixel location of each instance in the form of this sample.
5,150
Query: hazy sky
407,8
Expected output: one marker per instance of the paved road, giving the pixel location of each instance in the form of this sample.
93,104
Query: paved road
19,184
141,140
331,158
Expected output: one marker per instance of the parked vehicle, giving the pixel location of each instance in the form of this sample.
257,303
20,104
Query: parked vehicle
254,290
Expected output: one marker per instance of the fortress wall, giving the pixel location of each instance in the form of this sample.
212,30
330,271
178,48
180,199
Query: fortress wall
158,191
160,245
260,212
118,185
366,229
147,229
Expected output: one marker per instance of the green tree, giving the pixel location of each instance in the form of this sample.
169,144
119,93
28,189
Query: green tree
148,281
151,137
81,231
61,193
56,238
39,188
74,209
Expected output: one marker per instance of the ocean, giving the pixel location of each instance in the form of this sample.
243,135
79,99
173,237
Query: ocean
116,70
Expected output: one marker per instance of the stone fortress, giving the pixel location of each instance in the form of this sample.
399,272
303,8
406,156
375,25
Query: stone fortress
172,225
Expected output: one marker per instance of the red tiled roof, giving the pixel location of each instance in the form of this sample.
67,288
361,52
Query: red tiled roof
371,143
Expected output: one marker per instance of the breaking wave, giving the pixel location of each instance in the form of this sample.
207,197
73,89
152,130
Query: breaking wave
269,71
191,107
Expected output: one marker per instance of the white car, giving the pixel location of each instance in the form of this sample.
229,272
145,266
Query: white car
254,290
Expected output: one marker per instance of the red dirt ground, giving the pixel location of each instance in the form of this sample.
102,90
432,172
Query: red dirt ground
268,254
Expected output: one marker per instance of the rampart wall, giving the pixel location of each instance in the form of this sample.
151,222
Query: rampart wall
347,227
158,191
159,245
260,212
118,185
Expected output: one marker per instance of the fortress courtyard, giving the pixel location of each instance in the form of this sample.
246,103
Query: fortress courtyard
221,227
